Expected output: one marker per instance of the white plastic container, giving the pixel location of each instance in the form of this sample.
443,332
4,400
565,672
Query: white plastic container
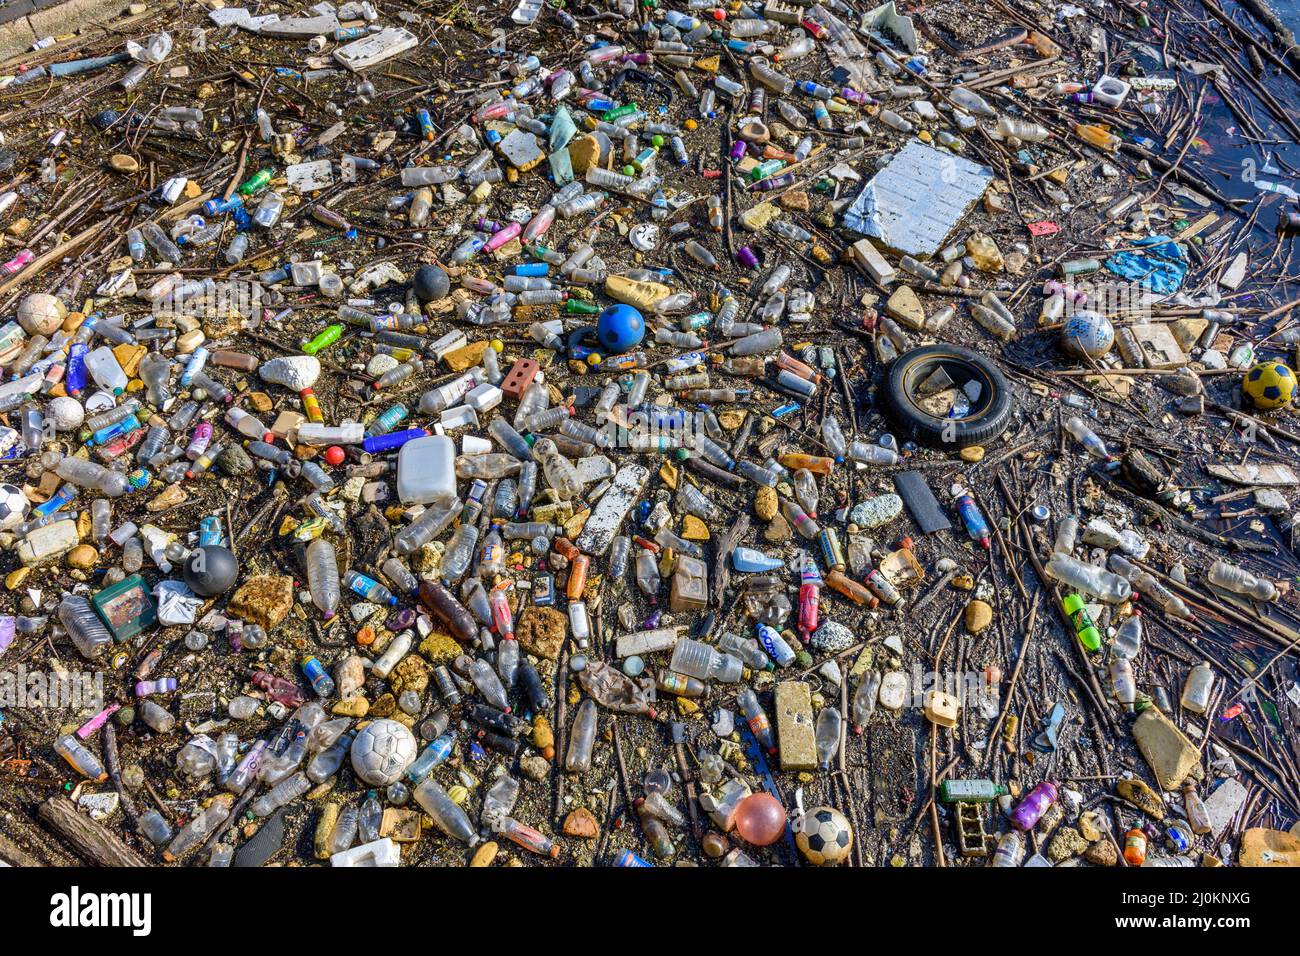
104,369
461,416
1110,90
484,397
426,470
314,433
378,853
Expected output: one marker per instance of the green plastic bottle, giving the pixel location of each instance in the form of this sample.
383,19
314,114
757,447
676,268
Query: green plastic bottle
970,791
1085,629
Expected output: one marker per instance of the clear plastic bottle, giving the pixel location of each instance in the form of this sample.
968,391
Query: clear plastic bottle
582,739
1100,583
1086,437
93,476
1067,533
1240,581
488,684
559,471
1010,850
288,789
827,736
84,626
1128,638
697,659
1147,583
199,828
323,577
1122,682
445,812
1198,688
865,698
870,453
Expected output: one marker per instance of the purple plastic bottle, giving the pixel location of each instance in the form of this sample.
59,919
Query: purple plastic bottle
1031,809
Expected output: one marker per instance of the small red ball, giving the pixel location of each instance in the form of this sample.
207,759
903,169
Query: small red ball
334,455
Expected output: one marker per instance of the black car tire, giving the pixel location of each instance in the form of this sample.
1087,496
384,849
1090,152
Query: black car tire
987,420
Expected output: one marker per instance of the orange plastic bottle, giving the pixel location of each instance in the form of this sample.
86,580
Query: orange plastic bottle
1135,847
1098,136
817,465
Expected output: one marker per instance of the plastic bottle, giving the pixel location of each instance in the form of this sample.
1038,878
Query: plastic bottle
1010,850
1098,582
757,720
1128,638
1122,682
1086,437
1240,581
869,453
1031,809
697,659
582,738
323,576
445,812
1084,627
1198,688
84,626
827,736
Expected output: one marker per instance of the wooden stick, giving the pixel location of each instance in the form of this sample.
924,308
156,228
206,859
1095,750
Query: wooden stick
92,840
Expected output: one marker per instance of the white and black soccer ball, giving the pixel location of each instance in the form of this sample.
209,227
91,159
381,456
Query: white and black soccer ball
382,751
13,507
824,836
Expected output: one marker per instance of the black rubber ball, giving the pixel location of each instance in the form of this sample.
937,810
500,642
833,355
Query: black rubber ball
210,571
431,283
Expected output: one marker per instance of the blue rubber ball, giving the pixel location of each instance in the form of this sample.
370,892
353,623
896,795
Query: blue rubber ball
620,328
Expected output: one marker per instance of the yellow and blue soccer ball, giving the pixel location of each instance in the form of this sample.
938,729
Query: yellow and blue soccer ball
1269,385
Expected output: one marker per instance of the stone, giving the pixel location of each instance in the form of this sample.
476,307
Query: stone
972,453
877,511
440,648
541,631
693,529
979,615
941,708
1222,805
356,706
906,307
411,673
584,152
1066,843
263,599
534,767
1263,847
485,854
794,726
234,461
1101,853
83,557
777,531
581,823
766,503
467,356
796,200
1090,826
831,638
122,163
1137,793
1166,748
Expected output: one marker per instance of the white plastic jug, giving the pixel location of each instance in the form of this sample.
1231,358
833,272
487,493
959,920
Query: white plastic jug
103,367
426,470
